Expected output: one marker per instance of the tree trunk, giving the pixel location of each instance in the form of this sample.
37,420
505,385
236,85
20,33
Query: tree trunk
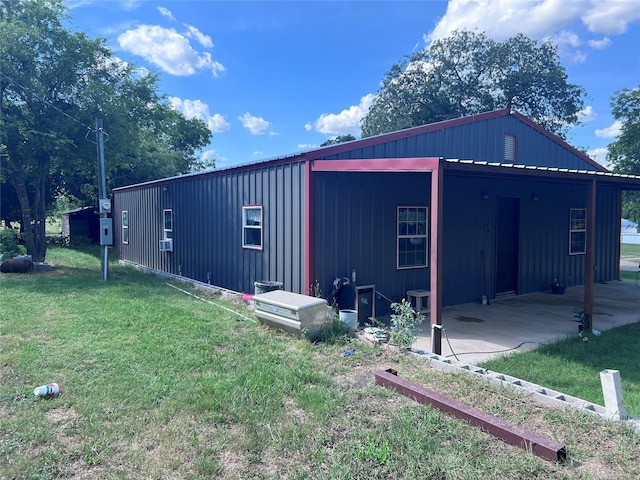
39,224
18,182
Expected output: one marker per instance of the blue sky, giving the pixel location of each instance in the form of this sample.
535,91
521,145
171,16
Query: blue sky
272,78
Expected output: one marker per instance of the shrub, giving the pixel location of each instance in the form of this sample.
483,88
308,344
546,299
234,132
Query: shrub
405,320
10,243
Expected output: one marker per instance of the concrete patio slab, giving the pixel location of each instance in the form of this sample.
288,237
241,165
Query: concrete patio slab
476,332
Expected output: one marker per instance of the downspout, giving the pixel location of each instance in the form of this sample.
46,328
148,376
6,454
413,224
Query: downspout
437,177
589,261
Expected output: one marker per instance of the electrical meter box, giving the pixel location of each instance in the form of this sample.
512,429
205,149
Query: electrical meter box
106,231
293,312
105,205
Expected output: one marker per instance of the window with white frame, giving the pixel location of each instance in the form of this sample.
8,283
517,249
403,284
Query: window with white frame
125,226
412,244
252,227
167,224
577,231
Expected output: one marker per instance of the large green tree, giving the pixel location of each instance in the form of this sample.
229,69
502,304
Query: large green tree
339,139
468,73
54,82
624,153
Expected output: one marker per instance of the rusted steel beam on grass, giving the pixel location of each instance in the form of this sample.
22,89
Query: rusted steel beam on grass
512,434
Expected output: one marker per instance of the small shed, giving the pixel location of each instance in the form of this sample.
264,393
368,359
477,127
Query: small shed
81,222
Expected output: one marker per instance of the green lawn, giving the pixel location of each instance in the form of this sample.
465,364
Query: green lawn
630,252
158,384
573,366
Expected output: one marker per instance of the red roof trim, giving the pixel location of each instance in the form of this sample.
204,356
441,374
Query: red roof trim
377,165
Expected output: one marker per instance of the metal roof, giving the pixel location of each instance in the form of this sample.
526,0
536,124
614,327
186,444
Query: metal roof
631,182
320,152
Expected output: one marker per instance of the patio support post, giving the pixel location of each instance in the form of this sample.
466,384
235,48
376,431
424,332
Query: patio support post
437,177
589,260
618,252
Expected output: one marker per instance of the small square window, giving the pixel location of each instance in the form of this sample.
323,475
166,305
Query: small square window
252,228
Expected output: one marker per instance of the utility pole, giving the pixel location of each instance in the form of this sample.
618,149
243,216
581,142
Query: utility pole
106,223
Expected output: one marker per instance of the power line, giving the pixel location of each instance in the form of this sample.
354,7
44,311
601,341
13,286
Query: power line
46,101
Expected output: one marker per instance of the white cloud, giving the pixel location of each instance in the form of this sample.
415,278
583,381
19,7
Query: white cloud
210,156
165,12
308,126
567,37
600,44
587,114
204,40
599,155
168,49
256,125
539,19
305,146
611,17
347,121
568,43
506,18
611,131
199,109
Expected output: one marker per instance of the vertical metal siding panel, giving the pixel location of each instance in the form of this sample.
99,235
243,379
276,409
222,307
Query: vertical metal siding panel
607,240
357,229
283,226
297,239
221,234
287,227
273,221
468,230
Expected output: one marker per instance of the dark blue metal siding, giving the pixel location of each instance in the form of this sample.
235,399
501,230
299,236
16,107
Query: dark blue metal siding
470,224
607,252
355,227
480,141
207,230
356,222
467,231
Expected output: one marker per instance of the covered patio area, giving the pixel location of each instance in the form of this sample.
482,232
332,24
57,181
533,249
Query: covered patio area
476,332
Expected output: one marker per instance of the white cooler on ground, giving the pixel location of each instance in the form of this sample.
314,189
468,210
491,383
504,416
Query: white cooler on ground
292,312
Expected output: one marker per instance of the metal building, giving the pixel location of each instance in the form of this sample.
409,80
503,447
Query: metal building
490,204
80,222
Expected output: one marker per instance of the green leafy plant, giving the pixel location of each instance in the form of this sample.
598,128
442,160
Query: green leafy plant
375,451
10,244
404,321
581,317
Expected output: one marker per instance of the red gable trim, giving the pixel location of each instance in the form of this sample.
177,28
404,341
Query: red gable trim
377,165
